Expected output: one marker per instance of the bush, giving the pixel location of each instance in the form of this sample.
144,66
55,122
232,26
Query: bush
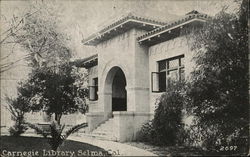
147,133
167,127
17,107
55,133
18,128
168,115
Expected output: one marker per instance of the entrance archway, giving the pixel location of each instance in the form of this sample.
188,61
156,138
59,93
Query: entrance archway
119,94
115,98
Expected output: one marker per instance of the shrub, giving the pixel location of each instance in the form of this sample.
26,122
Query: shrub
167,121
17,109
18,128
147,132
55,135
167,127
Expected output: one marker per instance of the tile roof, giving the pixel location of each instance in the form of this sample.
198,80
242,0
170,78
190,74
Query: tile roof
128,19
188,17
133,17
86,62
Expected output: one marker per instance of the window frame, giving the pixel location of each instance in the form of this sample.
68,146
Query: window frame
152,82
95,86
180,66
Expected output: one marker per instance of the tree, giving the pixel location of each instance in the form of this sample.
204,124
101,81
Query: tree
52,85
55,92
219,86
38,32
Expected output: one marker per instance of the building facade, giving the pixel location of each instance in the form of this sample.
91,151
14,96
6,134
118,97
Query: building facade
136,58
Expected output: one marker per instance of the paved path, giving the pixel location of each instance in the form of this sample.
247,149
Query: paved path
115,147
118,149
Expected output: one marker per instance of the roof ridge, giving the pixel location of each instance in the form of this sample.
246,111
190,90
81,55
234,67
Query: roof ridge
129,15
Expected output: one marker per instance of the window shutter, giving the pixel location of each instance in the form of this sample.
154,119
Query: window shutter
91,93
155,82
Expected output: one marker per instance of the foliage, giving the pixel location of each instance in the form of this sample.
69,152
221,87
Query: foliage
43,38
17,108
219,87
55,92
18,128
37,31
168,115
167,122
55,134
80,76
147,133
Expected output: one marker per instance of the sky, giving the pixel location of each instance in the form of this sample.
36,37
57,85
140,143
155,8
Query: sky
80,18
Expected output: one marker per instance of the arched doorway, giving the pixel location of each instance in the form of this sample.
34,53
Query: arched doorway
119,93
115,94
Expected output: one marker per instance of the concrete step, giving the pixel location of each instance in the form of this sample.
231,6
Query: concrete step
104,131
108,125
105,127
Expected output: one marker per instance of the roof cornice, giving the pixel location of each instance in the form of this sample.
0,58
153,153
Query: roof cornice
122,25
189,18
86,62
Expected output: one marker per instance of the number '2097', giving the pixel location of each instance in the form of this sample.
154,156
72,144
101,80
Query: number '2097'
228,148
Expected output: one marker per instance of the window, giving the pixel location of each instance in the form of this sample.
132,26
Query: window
93,90
170,70
175,69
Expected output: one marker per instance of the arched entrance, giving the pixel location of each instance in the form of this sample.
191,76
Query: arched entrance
119,94
115,98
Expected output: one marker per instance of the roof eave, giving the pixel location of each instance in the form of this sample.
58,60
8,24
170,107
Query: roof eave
141,39
87,62
94,39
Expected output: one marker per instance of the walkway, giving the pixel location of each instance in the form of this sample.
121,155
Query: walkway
118,149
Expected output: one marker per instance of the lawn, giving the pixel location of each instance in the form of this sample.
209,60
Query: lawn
22,144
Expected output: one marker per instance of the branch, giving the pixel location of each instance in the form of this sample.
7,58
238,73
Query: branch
10,30
12,51
44,41
8,66
74,129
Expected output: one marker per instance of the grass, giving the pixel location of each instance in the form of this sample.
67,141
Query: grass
22,143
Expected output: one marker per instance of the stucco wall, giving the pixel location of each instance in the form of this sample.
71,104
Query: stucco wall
124,51
93,73
168,49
